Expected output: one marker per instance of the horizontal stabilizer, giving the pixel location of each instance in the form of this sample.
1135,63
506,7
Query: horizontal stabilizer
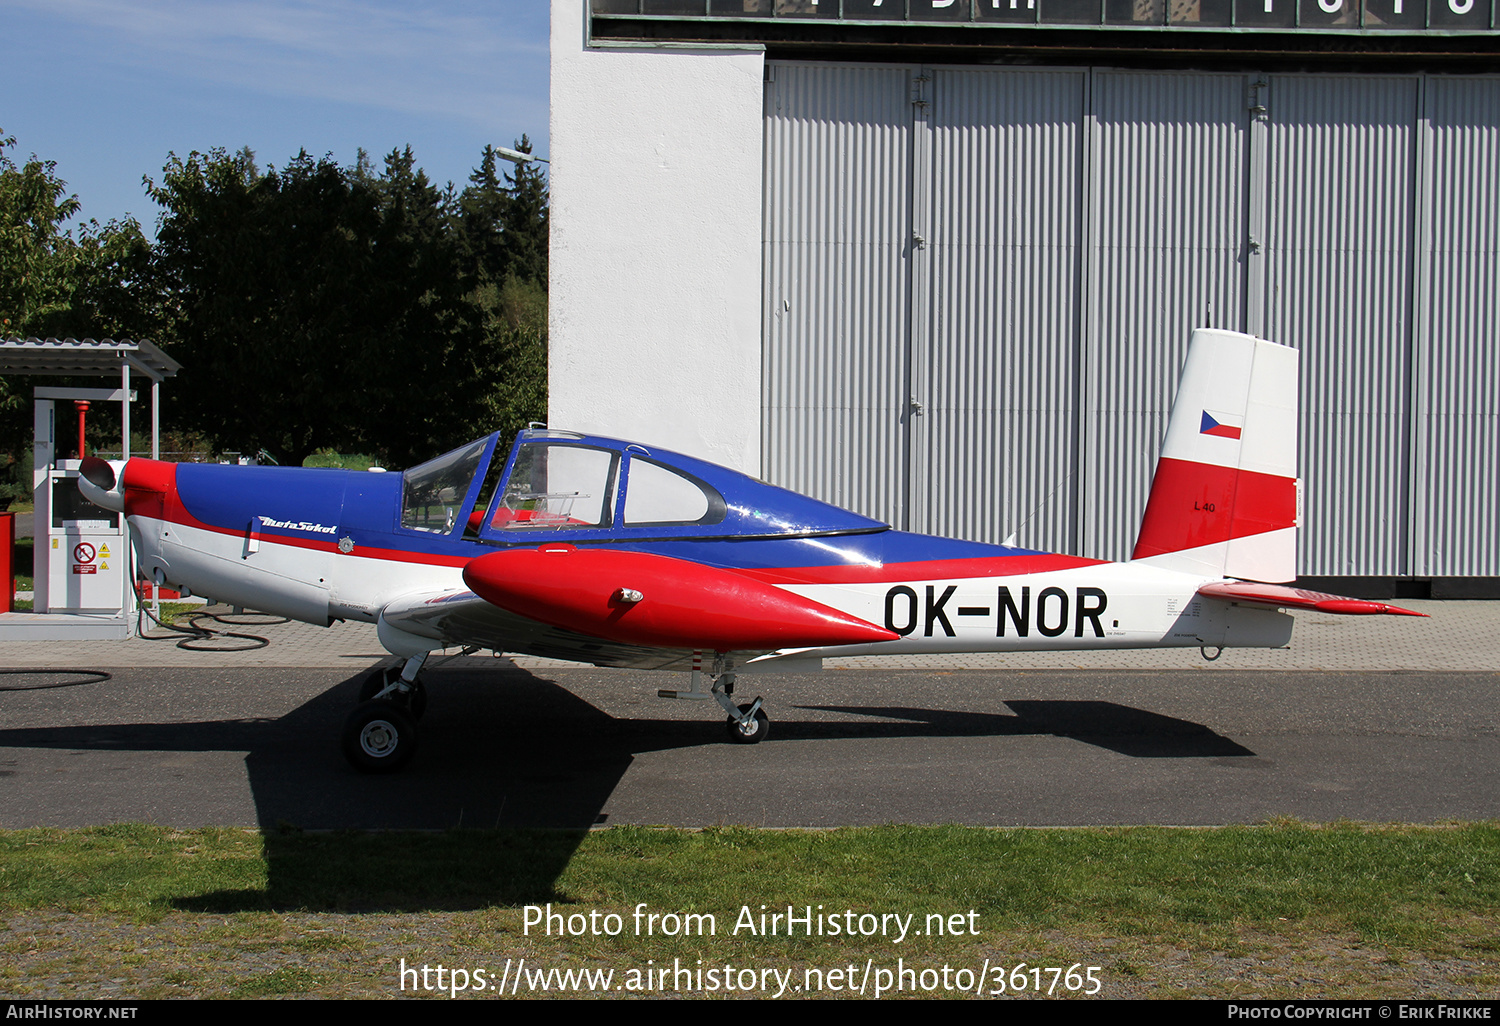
639,598
1299,598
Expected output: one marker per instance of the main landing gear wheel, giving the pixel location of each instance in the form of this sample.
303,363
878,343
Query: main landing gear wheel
379,737
749,733
414,700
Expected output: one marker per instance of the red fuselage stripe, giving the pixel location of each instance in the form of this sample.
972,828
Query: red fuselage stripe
923,570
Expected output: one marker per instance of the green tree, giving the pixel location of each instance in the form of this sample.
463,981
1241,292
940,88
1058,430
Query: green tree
250,266
429,393
91,281
502,227
524,222
53,282
312,306
35,252
481,220
515,348
502,220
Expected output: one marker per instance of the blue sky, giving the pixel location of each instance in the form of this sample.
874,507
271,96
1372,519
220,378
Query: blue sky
107,88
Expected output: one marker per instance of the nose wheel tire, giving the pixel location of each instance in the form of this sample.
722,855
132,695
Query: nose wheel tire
379,737
749,733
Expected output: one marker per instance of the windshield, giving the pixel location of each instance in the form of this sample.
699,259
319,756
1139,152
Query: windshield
432,493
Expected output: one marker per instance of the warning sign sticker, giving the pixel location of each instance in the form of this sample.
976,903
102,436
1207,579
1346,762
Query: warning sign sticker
83,554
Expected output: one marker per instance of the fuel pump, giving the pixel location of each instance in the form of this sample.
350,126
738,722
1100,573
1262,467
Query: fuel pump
82,551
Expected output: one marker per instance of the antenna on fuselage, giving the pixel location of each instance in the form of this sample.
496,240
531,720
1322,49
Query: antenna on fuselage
1010,539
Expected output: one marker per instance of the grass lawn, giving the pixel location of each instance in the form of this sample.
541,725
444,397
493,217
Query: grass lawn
1283,910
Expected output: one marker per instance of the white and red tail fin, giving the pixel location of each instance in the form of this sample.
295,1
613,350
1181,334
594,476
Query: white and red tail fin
1224,499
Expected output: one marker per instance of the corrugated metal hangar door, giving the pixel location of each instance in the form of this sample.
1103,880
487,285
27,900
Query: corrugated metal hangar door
979,285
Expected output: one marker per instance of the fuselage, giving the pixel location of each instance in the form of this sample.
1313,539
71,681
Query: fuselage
325,545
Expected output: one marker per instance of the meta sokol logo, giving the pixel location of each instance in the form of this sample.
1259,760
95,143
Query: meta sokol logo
1052,612
297,525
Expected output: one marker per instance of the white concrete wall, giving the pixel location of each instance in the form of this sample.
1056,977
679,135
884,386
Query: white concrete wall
655,266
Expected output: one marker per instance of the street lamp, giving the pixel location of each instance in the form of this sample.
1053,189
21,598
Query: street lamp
517,157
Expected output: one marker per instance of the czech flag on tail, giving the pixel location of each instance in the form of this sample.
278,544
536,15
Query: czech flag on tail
1216,424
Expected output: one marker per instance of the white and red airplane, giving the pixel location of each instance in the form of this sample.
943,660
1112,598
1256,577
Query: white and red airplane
619,554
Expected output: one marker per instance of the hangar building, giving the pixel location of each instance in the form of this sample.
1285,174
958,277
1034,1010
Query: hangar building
937,260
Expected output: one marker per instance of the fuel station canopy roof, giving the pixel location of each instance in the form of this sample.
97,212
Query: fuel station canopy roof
71,356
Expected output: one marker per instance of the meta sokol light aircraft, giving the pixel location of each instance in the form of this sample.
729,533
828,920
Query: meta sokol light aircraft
619,554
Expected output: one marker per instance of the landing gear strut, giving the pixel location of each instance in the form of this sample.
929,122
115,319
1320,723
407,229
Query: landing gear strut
380,735
747,724
385,682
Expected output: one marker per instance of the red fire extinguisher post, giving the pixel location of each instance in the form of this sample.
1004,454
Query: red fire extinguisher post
7,562
82,406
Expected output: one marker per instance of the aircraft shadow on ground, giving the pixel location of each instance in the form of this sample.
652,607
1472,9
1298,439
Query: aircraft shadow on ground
510,749
1119,728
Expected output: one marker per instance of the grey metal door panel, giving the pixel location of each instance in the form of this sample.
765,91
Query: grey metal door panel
1024,252
1456,490
1339,288
835,292
1167,247
994,361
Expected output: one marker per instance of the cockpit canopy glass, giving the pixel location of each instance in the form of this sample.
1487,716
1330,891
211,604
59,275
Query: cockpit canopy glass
565,486
656,494
557,486
433,493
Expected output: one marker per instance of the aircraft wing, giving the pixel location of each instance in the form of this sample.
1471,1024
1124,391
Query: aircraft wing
1281,596
462,618
614,607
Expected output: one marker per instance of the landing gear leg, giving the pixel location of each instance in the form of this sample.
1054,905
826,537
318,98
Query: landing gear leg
400,685
748,724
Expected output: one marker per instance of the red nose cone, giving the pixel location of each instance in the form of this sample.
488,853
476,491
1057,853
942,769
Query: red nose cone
150,487
638,598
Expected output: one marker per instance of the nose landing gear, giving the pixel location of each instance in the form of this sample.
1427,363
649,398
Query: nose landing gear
380,734
379,737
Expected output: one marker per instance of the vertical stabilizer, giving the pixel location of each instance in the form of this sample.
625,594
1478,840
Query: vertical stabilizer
1224,498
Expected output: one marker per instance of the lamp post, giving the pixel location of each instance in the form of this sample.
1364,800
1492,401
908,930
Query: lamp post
517,157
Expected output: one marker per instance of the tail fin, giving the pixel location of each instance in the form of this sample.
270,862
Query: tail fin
1224,499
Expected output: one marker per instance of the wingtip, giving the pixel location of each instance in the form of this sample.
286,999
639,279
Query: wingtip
1362,607
1398,611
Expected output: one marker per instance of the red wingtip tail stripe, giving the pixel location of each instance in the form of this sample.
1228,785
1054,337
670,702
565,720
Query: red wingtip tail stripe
1301,598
